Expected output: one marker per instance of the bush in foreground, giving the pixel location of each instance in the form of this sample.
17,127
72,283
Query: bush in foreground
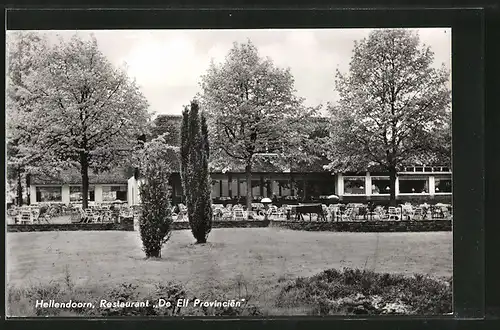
332,292
155,224
350,291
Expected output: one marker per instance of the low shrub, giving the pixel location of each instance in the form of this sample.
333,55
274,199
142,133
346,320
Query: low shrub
354,291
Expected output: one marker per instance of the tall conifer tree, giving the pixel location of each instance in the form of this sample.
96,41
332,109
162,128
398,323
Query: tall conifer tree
195,152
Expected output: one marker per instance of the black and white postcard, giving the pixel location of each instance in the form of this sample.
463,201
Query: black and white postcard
273,172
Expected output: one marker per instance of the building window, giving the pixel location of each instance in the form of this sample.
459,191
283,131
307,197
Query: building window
255,188
49,194
76,195
413,186
354,185
380,185
234,187
284,187
243,187
443,185
318,188
225,188
215,188
113,193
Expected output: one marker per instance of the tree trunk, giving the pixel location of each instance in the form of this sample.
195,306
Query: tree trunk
248,173
19,189
28,184
85,179
392,185
304,187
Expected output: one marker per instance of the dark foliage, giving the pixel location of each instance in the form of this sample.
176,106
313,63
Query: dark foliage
156,212
195,174
354,291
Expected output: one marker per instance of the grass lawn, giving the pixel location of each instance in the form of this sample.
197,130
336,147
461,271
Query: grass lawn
259,260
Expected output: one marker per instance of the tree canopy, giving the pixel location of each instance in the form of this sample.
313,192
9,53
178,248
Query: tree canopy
252,110
394,106
87,113
25,55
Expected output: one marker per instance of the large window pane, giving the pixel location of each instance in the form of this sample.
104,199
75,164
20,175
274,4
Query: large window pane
215,188
354,185
234,187
413,186
275,188
76,195
256,188
380,185
443,185
112,193
284,185
225,188
49,194
243,187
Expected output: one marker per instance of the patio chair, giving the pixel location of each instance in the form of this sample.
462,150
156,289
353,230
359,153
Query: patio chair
406,211
362,212
276,212
92,216
347,216
239,214
25,217
226,215
217,213
418,214
446,213
394,213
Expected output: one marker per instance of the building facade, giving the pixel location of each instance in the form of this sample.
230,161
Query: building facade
415,183
303,182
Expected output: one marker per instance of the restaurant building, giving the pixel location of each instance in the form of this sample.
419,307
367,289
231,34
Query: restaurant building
301,182
415,183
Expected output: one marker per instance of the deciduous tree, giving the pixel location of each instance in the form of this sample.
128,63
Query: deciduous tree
252,111
394,107
26,52
88,113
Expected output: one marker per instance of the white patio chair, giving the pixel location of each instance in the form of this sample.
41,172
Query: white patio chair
347,216
26,217
417,214
239,214
394,213
91,216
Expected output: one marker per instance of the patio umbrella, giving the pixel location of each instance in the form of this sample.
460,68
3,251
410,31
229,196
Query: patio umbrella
335,197
441,205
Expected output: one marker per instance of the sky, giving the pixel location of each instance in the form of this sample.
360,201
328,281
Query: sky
168,64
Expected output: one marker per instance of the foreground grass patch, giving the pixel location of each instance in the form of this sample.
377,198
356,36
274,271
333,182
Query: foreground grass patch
251,263
123,300
349,292
332,292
